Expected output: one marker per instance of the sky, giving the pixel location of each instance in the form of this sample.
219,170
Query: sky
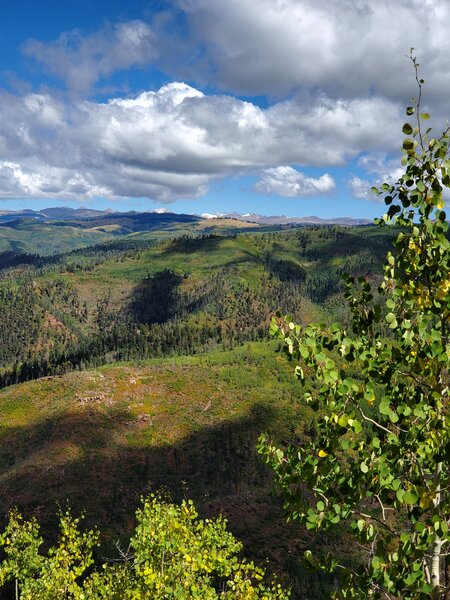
288,107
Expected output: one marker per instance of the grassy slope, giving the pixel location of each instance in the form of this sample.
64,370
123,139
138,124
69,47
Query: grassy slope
56,237
101,438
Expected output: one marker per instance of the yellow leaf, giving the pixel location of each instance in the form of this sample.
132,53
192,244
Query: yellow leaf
426,499
322,453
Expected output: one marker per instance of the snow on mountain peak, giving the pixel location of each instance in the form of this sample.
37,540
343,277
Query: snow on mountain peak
162,211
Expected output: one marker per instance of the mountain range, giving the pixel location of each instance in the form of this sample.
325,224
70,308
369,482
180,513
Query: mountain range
65,213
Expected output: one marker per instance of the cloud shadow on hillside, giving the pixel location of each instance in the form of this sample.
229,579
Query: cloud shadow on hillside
156,298
82,459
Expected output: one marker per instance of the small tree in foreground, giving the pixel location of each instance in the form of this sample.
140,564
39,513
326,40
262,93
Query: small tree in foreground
380,460
172,554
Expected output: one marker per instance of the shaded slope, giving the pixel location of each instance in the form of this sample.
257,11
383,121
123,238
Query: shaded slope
99,439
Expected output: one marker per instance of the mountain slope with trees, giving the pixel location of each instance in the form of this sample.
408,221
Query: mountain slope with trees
140,299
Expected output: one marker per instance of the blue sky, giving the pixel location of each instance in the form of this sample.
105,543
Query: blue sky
273,106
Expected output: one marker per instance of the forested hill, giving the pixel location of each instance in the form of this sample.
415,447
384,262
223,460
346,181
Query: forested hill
69,231
134,299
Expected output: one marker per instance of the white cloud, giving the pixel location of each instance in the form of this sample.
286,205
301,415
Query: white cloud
360,188
172,143
381,169
386,169
82,61
346,49
286,181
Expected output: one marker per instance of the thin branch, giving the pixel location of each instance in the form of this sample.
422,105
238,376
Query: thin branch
366,418
372,518
383,508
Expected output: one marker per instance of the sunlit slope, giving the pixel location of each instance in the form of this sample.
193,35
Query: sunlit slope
158,417
27,235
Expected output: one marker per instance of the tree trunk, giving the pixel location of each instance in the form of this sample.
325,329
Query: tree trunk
437,546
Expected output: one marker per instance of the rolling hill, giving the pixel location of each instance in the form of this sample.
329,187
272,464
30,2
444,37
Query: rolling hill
63,231
136,298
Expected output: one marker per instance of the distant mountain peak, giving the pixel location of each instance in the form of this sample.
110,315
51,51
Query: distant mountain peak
163,211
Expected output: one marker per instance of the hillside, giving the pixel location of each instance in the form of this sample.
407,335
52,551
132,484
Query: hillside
189,425
139,299
59,231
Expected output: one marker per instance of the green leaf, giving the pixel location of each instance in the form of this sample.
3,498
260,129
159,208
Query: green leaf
407,129
404,537
376,562
384,408
357,427
410,497
343,420
421,186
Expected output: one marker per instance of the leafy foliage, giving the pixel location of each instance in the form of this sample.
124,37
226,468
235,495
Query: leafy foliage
173,554
380,460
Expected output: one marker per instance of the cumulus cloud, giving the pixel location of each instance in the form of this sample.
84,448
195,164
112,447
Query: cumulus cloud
346,48
360,188
34,180
286,181
82,61
171,143
381,169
